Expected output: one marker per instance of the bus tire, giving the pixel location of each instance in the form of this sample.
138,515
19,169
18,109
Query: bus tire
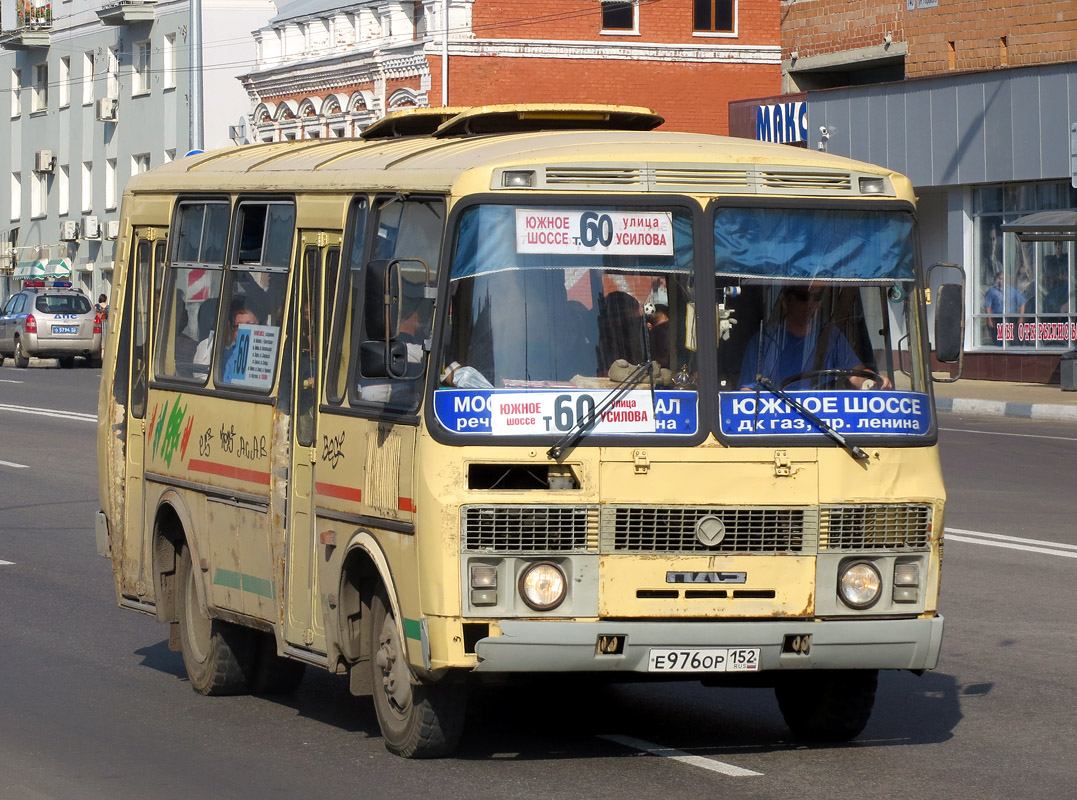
219,656
272,673
827,705
418,719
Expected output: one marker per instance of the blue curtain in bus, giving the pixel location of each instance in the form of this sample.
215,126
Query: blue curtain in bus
814,244
486,243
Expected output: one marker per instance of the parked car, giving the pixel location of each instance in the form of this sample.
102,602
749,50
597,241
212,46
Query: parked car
49,319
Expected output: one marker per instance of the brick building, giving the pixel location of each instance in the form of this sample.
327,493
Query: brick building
975,102
327,69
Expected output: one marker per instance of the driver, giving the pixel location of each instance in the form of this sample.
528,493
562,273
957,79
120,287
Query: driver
799,345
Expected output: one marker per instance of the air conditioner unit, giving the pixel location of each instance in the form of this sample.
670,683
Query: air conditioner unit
69,231
43,161
91,228
112,228
106,109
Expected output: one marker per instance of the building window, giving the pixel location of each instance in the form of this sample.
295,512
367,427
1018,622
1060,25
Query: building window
112,74
418,20
619,16
40,100
168,57
170,155
140,68
63,181
140,162
1024,293
87,186
16,92
64,84
110,184
16,195
87,78
715,16
39,194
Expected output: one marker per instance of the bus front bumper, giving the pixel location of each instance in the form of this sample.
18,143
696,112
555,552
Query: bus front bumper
568,646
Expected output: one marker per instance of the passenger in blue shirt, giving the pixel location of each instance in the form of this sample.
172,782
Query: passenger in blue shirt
790,347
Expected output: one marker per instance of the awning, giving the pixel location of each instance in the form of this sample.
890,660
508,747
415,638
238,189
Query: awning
40,268
25,270
1045,226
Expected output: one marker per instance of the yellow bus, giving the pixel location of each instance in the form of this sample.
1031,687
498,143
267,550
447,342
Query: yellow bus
507,391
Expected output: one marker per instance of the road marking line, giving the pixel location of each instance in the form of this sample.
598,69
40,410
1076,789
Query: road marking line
1004,433
44,412
1012,542
13,464
685,758
7,563
5,381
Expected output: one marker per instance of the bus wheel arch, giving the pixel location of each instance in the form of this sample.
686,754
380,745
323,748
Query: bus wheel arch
363,570
171,527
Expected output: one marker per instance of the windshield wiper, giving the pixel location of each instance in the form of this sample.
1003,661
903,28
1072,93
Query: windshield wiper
587,421
822,425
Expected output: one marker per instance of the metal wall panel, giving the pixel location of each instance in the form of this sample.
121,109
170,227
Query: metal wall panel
970,120
1003,125
998,132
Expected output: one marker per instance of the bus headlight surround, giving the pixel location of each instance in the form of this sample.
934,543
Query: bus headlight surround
543,585
859,584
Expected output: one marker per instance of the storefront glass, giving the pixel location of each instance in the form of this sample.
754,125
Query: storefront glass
1024,291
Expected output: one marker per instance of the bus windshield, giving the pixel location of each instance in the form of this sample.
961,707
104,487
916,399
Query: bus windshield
550,308
820,304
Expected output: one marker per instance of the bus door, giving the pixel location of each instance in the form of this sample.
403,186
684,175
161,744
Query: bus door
315,282
133,361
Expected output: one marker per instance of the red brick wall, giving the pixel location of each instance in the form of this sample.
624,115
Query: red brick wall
667,21
692,97
1036,31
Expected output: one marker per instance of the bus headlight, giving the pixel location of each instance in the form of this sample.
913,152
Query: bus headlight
543,585
859,584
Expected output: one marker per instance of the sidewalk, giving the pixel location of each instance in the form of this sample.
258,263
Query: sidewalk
1002,399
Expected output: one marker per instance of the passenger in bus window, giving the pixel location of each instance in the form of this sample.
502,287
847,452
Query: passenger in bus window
185,346
207,324
799,344
238,314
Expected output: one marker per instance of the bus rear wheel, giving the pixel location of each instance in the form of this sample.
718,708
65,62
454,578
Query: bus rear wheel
827,705
418,719
218,655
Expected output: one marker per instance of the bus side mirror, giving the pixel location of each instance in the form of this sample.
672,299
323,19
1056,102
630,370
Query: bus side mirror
381,300
949,307
949,322
379,359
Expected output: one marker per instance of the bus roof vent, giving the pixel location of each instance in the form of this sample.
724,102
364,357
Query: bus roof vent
700,178
604,177
549,117
411,122
794,181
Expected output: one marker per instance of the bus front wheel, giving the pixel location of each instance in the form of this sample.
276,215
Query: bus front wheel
418,719
219,656
827,705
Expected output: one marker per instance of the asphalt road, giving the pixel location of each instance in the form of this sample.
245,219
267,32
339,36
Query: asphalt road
94,705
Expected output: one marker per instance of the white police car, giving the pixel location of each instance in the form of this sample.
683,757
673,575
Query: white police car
49,319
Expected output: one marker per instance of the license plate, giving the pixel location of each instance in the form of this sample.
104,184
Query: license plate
711,659
65,328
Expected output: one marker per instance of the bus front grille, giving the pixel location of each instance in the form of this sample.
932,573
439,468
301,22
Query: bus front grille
673,529
530,529
875,526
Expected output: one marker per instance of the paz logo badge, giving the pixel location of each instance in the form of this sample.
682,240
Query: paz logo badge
710,530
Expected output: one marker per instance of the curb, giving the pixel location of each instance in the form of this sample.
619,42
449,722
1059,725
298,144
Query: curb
999,408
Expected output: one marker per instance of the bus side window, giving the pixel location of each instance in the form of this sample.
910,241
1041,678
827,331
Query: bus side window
254,300
408,231
191,291
141,329
347,291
